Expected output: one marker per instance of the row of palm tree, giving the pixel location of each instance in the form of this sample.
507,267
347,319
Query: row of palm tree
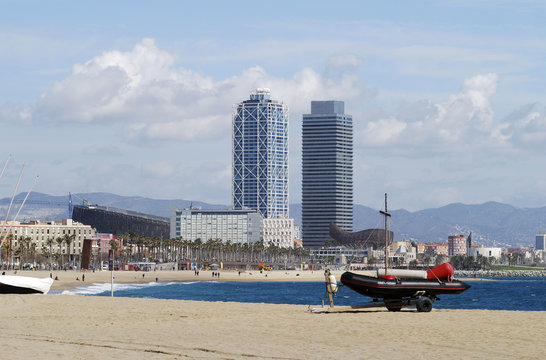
138,248
26,247
144,248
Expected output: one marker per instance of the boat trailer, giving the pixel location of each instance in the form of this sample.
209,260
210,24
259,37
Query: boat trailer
419,301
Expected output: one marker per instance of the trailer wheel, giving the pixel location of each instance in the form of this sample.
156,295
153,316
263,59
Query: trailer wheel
423,304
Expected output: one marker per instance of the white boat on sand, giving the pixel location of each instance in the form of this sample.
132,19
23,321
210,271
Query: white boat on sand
11,284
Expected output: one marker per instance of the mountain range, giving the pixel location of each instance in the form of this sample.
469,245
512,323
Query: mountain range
491,223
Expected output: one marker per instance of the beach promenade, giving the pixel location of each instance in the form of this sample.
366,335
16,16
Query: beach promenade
80,327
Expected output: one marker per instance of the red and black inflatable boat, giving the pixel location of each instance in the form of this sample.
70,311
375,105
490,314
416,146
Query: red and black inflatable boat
399,288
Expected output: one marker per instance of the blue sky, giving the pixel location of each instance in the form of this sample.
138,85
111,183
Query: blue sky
135,98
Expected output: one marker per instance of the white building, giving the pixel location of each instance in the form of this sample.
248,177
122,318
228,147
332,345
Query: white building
401,252
236,226
297,232
278,232
40,232
485,251
338,251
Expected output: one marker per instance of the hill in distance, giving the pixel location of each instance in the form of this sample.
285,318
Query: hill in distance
493,223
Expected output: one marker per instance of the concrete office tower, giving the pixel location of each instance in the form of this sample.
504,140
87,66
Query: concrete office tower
327,171
541,241
260,155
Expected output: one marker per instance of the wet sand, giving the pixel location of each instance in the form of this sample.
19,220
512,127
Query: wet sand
67,279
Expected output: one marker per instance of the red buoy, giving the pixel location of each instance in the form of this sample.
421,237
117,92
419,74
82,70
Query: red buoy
443,272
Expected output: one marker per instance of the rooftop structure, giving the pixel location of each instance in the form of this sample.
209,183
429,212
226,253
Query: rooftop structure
374,238
118,221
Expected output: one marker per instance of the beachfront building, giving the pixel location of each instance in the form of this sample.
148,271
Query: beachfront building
102,243
327,171
402,252
541,241
107,219
243,226
338,252
260,155
436,249
278,232
38,234
456,245
487,252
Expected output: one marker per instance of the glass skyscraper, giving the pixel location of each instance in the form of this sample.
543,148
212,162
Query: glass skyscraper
260,155
327,171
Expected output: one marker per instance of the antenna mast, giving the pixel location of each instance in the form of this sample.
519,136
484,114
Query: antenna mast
387,216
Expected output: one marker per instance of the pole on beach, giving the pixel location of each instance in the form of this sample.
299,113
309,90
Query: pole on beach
111,268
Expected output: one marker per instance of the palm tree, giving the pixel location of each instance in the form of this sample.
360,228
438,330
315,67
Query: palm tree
32,249
9,248
49,243
59,241
440,259
23,248
68,239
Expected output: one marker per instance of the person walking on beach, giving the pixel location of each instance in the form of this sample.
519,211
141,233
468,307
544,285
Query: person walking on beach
83,277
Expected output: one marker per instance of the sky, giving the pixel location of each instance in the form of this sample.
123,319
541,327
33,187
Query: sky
135,98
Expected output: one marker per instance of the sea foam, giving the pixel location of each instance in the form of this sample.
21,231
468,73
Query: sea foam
99,288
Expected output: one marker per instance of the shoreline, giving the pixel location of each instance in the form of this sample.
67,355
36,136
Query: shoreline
71,279
67,279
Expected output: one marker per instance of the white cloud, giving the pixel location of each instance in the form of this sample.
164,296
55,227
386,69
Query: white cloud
525,128
343,63
463,117
11,112
151,98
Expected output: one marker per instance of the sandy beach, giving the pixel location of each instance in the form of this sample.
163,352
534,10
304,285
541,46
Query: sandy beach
80,327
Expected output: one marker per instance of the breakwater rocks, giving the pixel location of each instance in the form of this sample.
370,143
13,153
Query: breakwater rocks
500,273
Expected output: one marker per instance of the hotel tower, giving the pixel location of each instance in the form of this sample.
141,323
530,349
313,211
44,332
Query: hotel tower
327,171
260,155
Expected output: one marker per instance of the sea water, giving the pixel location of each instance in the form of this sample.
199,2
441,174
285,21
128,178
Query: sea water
523,294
